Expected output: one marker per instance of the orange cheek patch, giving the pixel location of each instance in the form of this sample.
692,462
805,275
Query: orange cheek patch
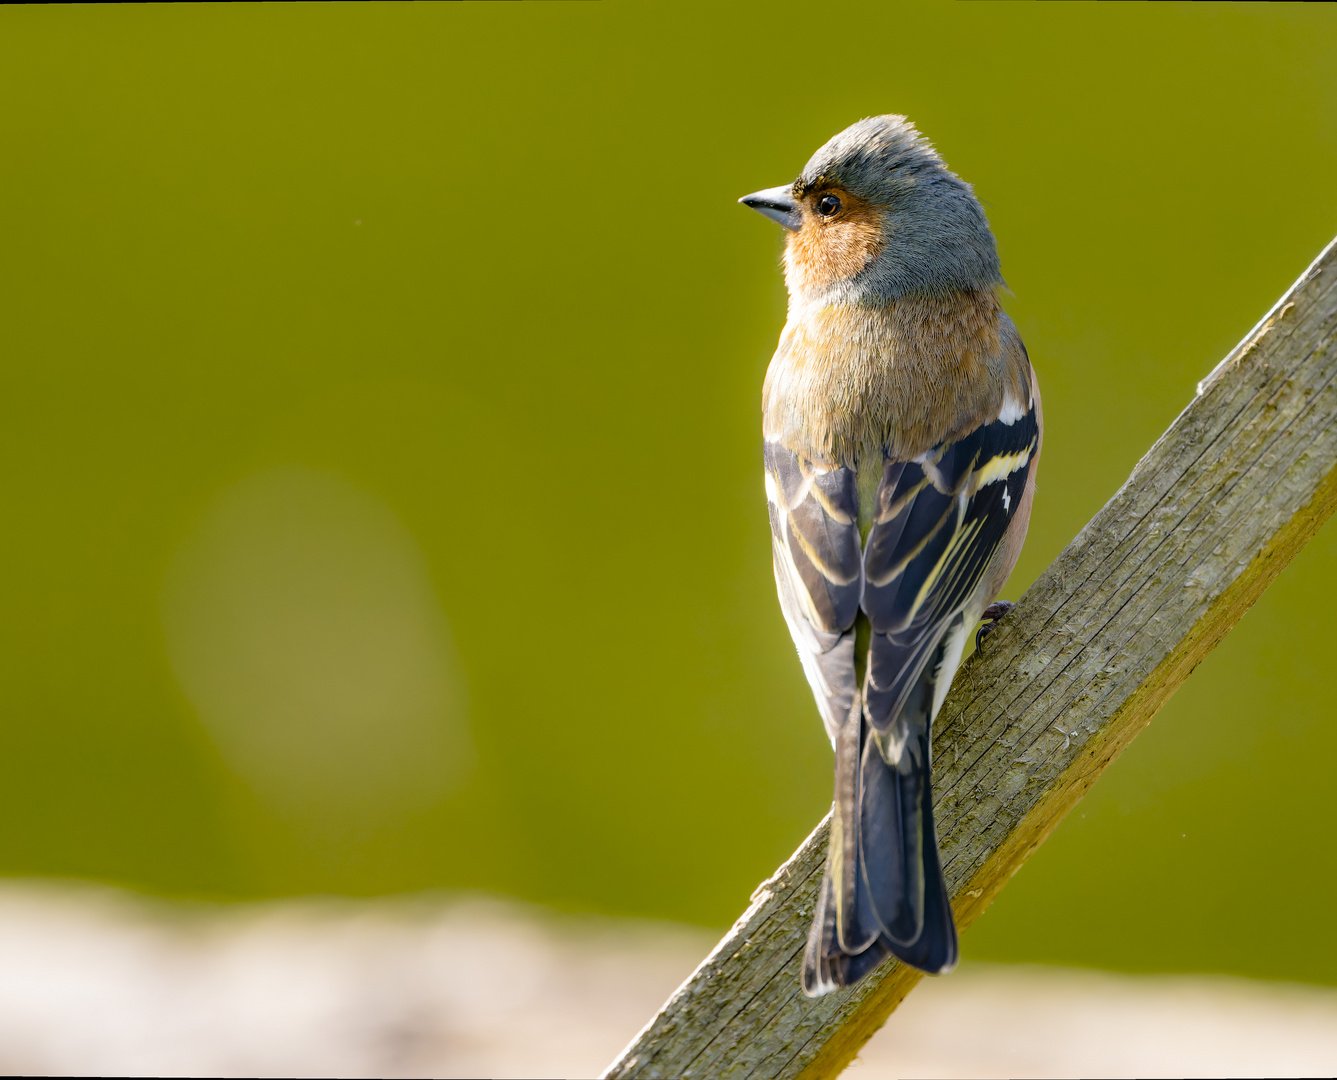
824,252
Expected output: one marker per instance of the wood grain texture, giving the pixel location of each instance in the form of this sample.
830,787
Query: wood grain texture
1208,518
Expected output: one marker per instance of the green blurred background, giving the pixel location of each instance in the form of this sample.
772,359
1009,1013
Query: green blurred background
381,475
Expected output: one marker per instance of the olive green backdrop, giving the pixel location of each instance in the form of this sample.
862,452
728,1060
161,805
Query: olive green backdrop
379,434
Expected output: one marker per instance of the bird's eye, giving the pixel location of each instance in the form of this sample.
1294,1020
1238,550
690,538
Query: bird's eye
828,205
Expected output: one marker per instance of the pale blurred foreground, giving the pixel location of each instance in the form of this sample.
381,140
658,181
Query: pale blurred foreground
98,981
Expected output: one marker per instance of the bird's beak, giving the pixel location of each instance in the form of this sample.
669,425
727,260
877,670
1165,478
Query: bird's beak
778,204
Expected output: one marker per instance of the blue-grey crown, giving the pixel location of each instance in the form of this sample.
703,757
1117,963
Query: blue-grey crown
938,238
867,157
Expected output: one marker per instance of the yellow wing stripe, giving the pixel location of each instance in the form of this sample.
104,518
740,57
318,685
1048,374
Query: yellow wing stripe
891,574
951,559
999,467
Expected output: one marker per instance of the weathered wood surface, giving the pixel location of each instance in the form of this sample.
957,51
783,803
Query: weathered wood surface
1208,518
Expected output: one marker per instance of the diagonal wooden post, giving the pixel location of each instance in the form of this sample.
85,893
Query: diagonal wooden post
1208,518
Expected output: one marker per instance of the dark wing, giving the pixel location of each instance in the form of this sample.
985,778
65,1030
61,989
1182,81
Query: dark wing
818,572
939,522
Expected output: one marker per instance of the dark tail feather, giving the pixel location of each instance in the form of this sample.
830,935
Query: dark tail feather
891,845
825,965
934,947
898,903
856,925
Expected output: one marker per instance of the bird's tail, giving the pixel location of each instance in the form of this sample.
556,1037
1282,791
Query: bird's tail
883,893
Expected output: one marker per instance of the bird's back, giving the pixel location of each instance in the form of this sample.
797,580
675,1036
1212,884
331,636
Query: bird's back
900,444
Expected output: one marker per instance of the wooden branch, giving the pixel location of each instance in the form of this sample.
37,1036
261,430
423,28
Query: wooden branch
1223,501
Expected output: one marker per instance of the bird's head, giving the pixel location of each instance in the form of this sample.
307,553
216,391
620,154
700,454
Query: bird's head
876,215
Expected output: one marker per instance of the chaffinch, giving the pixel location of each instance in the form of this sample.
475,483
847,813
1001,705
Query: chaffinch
902,429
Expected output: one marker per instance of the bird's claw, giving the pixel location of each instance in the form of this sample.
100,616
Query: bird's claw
989,619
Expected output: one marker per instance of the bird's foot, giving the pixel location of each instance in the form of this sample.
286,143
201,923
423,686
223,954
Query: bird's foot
989,619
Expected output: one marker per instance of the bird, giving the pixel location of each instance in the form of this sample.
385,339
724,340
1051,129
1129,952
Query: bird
901,428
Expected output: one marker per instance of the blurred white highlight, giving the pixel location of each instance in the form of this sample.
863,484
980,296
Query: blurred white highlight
302,624
96,981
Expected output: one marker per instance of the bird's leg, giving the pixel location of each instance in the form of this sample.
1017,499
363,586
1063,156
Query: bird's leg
989,619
